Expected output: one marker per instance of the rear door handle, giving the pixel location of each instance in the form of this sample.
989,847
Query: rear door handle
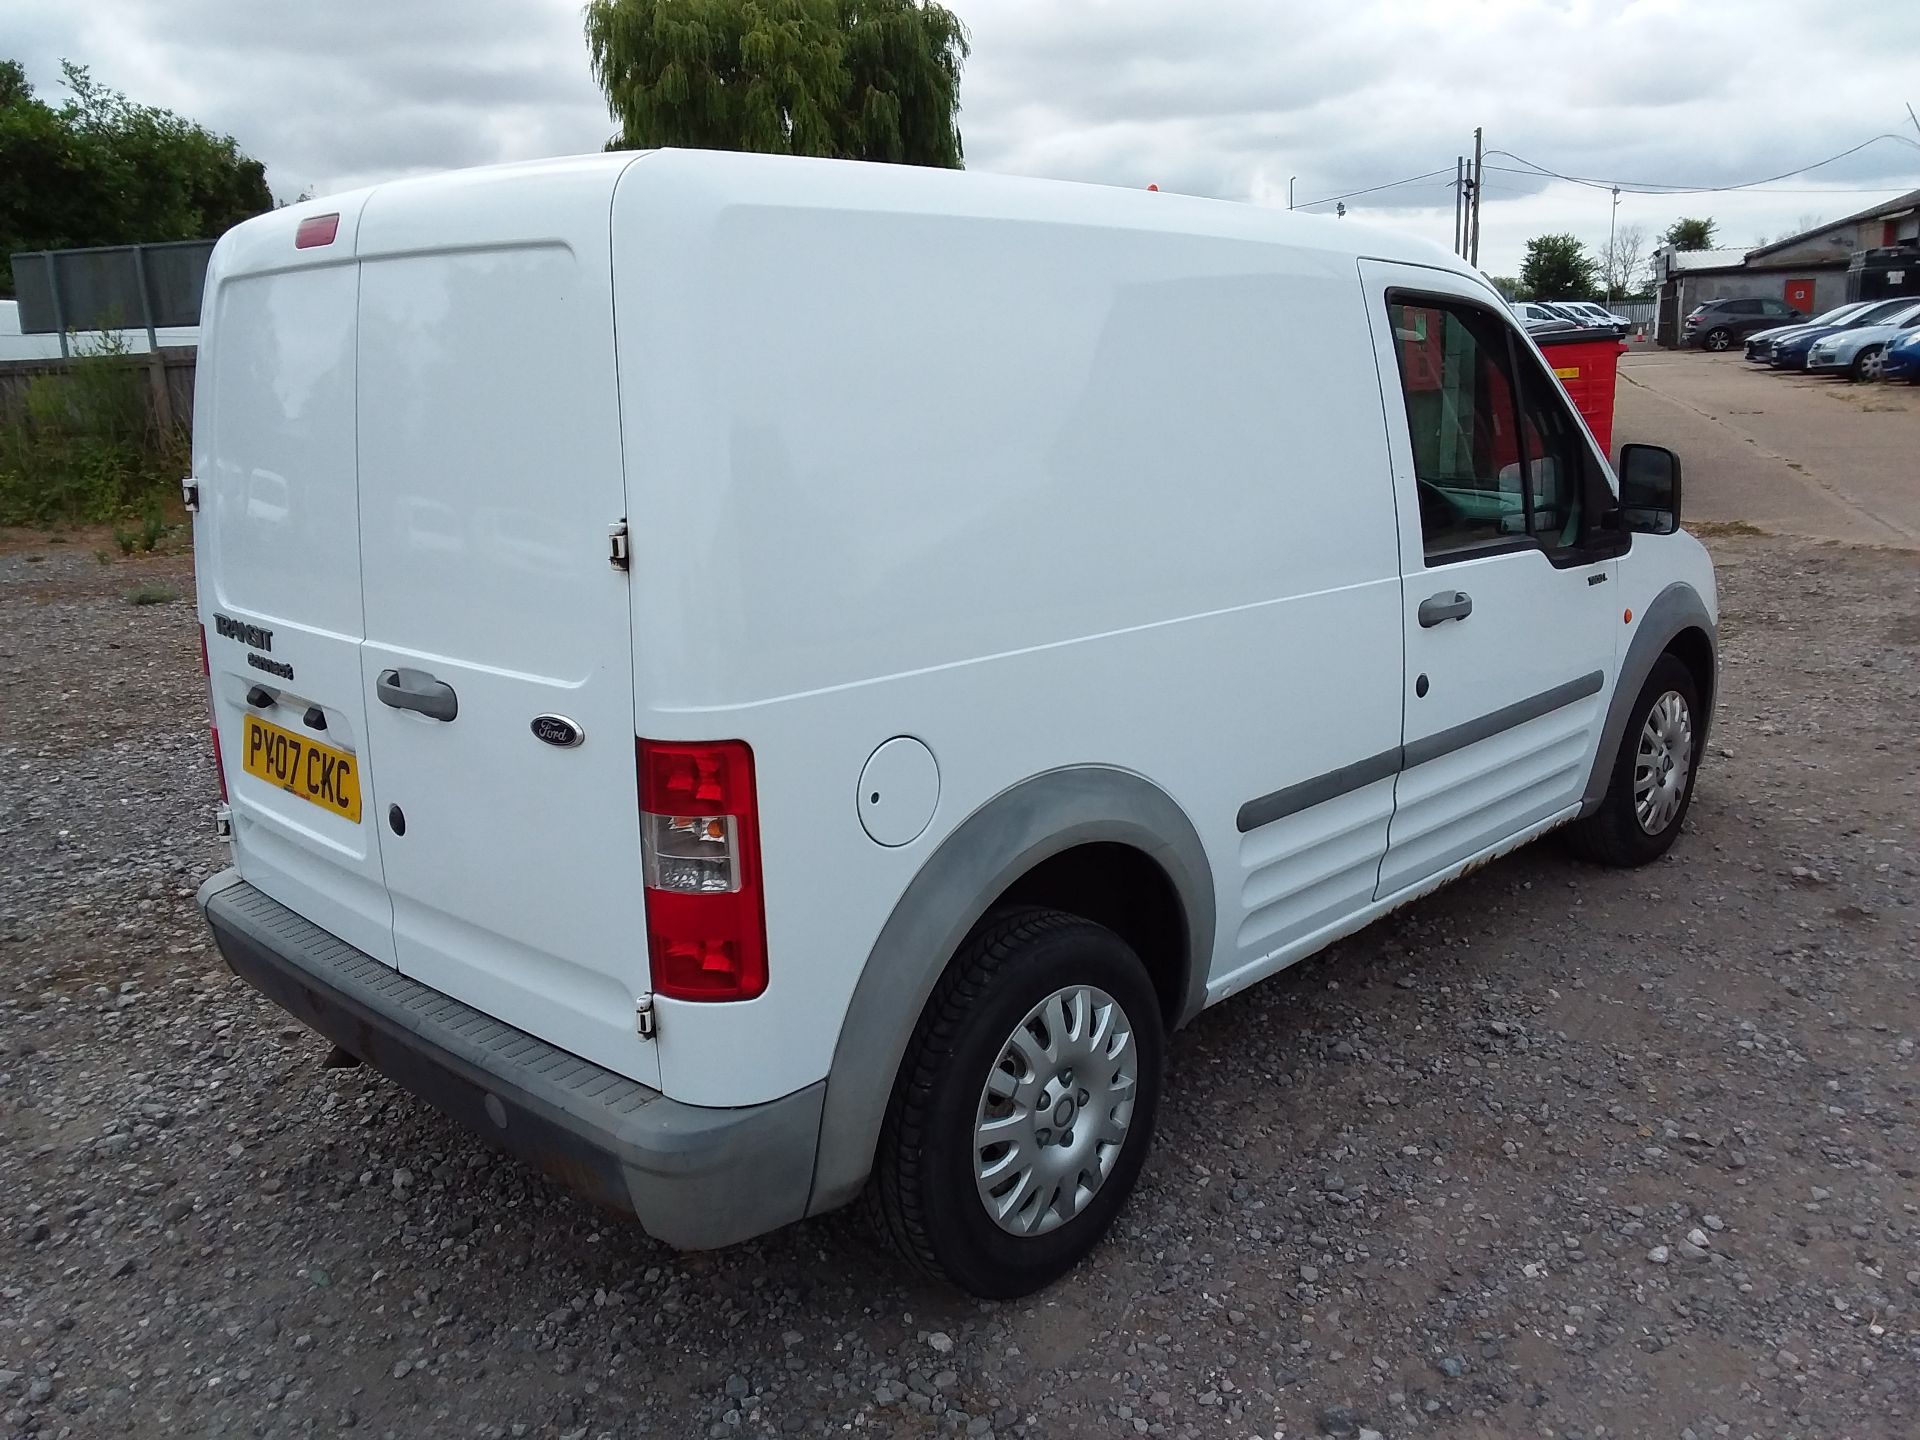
417,691
1448,605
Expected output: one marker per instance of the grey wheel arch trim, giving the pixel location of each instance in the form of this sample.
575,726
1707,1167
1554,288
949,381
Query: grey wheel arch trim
1002,840
1675,609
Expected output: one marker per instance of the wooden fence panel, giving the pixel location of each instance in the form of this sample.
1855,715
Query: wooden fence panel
175,371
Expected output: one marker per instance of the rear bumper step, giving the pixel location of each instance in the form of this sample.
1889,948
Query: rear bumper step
695,1177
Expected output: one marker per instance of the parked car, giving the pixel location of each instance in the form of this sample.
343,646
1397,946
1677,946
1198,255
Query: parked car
1759,347
1902,360
1537,316
1009,684
1789,352
1589,312
1567,310
1717,324
1859,353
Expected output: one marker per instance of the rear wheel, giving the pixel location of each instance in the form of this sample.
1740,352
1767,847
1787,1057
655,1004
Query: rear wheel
1869,363
1718,338
1650,787
1024,1107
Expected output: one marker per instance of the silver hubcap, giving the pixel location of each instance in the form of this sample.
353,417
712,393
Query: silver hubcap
1871,364
1664,763
1054,1112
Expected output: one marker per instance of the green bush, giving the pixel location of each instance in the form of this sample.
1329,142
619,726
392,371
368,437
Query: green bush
81,447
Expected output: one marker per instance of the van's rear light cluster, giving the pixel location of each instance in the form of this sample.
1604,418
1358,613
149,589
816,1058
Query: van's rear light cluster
700,855
213,721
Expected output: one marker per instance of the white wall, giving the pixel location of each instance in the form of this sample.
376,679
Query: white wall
15,346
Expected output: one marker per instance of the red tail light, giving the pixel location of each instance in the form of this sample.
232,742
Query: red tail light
700,851
213,721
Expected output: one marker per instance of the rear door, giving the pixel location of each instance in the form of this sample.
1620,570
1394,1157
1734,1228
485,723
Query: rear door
277,549
490,473
1510,612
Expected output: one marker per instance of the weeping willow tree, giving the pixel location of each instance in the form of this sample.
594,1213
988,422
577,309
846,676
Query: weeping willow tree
852,79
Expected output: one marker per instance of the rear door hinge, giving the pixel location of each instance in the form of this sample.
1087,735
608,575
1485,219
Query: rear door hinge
190,494
643,1019
617,545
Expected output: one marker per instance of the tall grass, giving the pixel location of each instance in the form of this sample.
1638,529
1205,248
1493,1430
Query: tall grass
83,447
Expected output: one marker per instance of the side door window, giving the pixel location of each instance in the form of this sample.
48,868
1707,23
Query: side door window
1499,463
1558,460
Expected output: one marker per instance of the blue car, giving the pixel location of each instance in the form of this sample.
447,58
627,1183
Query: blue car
1902,360
1789,351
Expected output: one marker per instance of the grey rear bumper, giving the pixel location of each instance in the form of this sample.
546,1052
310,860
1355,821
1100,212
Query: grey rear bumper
695,1177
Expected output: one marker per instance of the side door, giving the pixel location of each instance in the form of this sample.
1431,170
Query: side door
1509,614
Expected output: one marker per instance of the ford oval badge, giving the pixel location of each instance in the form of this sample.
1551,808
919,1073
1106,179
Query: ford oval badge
557,730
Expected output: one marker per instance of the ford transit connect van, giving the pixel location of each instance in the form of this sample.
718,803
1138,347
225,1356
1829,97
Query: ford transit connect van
754,683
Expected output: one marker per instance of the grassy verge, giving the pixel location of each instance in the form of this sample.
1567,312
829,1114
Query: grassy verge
82,448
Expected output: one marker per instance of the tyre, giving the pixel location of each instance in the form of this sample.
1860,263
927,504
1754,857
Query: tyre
1718,338
1650,787
1868,364
1024,1106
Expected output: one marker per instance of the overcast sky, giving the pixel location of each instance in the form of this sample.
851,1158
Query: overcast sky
1213,97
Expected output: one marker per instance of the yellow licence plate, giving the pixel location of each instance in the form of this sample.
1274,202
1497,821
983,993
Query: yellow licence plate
325,776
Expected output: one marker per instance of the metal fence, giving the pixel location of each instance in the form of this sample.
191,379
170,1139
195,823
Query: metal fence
111,287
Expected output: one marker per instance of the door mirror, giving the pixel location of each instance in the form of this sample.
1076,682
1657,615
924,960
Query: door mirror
1649,490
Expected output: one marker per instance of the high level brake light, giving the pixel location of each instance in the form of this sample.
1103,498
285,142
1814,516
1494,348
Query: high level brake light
700,855
316,230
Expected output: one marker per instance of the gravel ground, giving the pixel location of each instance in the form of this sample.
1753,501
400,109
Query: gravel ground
1557,1152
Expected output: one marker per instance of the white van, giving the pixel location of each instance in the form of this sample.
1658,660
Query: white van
751,682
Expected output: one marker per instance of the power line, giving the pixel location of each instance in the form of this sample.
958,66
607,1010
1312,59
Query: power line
1493,189
1373,189
1637,187
1660,187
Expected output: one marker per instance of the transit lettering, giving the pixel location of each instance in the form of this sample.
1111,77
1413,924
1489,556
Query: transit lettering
256,637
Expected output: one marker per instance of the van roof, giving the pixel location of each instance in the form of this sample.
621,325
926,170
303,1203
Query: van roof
740,177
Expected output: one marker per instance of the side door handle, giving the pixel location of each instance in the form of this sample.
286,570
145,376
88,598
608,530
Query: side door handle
418,691
1447,605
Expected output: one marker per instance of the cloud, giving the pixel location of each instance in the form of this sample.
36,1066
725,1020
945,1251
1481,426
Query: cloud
342,93
1214,97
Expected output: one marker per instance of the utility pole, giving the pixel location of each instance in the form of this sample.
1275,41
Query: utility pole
1459,197
1473,257
1290,180
1613,219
